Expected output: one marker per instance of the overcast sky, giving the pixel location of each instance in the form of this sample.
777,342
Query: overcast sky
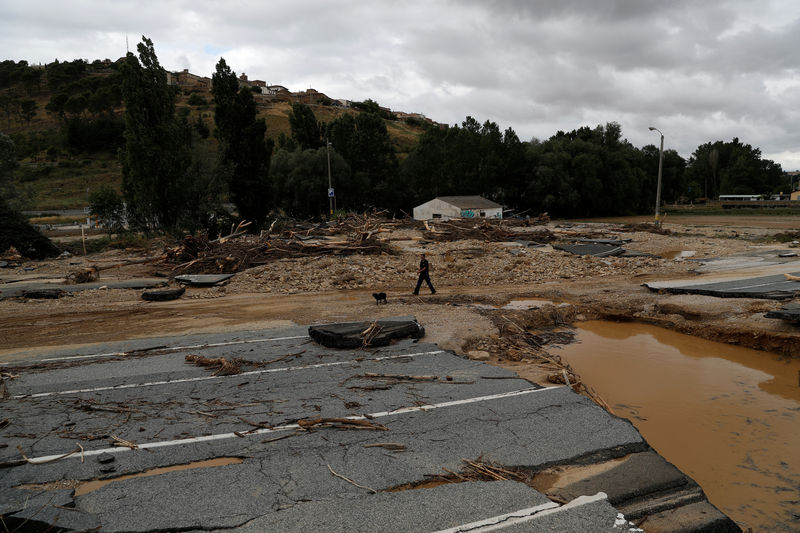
699,70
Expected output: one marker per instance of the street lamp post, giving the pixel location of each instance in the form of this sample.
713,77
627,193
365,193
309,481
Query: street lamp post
330,196
660,165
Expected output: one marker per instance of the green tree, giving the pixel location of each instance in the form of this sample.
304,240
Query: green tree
9,104
196,99
733,168
157,168
56,105
300,179
8,162
364,143
374,161
244,153
107,205
305,128
28,110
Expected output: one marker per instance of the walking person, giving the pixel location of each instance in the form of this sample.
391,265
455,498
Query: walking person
424,275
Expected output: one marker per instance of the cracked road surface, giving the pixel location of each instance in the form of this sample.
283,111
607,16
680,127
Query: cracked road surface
113,410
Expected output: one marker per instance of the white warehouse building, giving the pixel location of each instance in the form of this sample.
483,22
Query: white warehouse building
447,207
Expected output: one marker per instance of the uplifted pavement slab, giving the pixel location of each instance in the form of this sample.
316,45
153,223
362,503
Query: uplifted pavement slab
43,510
774,287
203,280
15,290
362,334
600,249
626,479
285,417
789,312
771,261
698,516
584,514
409,511
244,341
474,506
594,249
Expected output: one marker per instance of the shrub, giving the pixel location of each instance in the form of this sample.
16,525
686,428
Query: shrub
109,208
197,100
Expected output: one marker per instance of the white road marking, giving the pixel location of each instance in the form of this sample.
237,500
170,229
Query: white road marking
288,427
507,519
165,349
523,515
207,378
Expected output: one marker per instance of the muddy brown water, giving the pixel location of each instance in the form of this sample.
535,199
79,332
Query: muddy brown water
91,486
725,415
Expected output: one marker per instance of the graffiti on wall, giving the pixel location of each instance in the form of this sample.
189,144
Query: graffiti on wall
472,213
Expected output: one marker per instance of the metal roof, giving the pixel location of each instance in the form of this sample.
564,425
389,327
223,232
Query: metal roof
469,202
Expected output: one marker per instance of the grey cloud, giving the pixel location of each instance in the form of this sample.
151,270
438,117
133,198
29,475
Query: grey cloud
703,71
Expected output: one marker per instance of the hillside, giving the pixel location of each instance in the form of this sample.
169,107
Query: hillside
66,120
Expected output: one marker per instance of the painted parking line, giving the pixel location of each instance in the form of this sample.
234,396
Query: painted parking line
288,427
161,350
209,378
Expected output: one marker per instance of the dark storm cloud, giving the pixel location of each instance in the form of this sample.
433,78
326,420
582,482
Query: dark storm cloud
700,71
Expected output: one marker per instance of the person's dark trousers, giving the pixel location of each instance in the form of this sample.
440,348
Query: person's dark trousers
426,277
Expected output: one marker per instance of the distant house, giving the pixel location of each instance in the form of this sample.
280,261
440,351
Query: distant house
188,80
447,207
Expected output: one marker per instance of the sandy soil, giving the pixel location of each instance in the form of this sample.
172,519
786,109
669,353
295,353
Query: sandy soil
466,273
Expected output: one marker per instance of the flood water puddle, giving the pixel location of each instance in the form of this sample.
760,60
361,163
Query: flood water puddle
727,416
516,305
90,486
679,254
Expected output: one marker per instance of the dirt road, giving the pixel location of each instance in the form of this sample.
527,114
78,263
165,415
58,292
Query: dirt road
333,288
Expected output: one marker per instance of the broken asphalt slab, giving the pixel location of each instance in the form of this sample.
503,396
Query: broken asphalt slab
177,414
203,280
789,312
18,289
358,334
600,249
773,287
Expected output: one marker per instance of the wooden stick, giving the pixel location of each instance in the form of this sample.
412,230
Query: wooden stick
281,437
39,462
373,491
394,446
122,442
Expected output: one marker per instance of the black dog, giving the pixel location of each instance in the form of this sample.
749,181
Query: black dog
379,296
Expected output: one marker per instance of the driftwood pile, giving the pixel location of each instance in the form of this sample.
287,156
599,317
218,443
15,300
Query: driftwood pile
356,234
482,230
479,469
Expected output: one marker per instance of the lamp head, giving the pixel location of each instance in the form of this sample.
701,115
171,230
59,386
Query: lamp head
651,128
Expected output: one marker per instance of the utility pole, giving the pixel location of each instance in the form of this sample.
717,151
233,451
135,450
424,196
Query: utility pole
660,165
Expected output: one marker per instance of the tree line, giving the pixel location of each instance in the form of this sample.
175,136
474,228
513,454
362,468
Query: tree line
171,184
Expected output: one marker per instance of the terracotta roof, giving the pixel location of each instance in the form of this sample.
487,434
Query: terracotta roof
469,202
